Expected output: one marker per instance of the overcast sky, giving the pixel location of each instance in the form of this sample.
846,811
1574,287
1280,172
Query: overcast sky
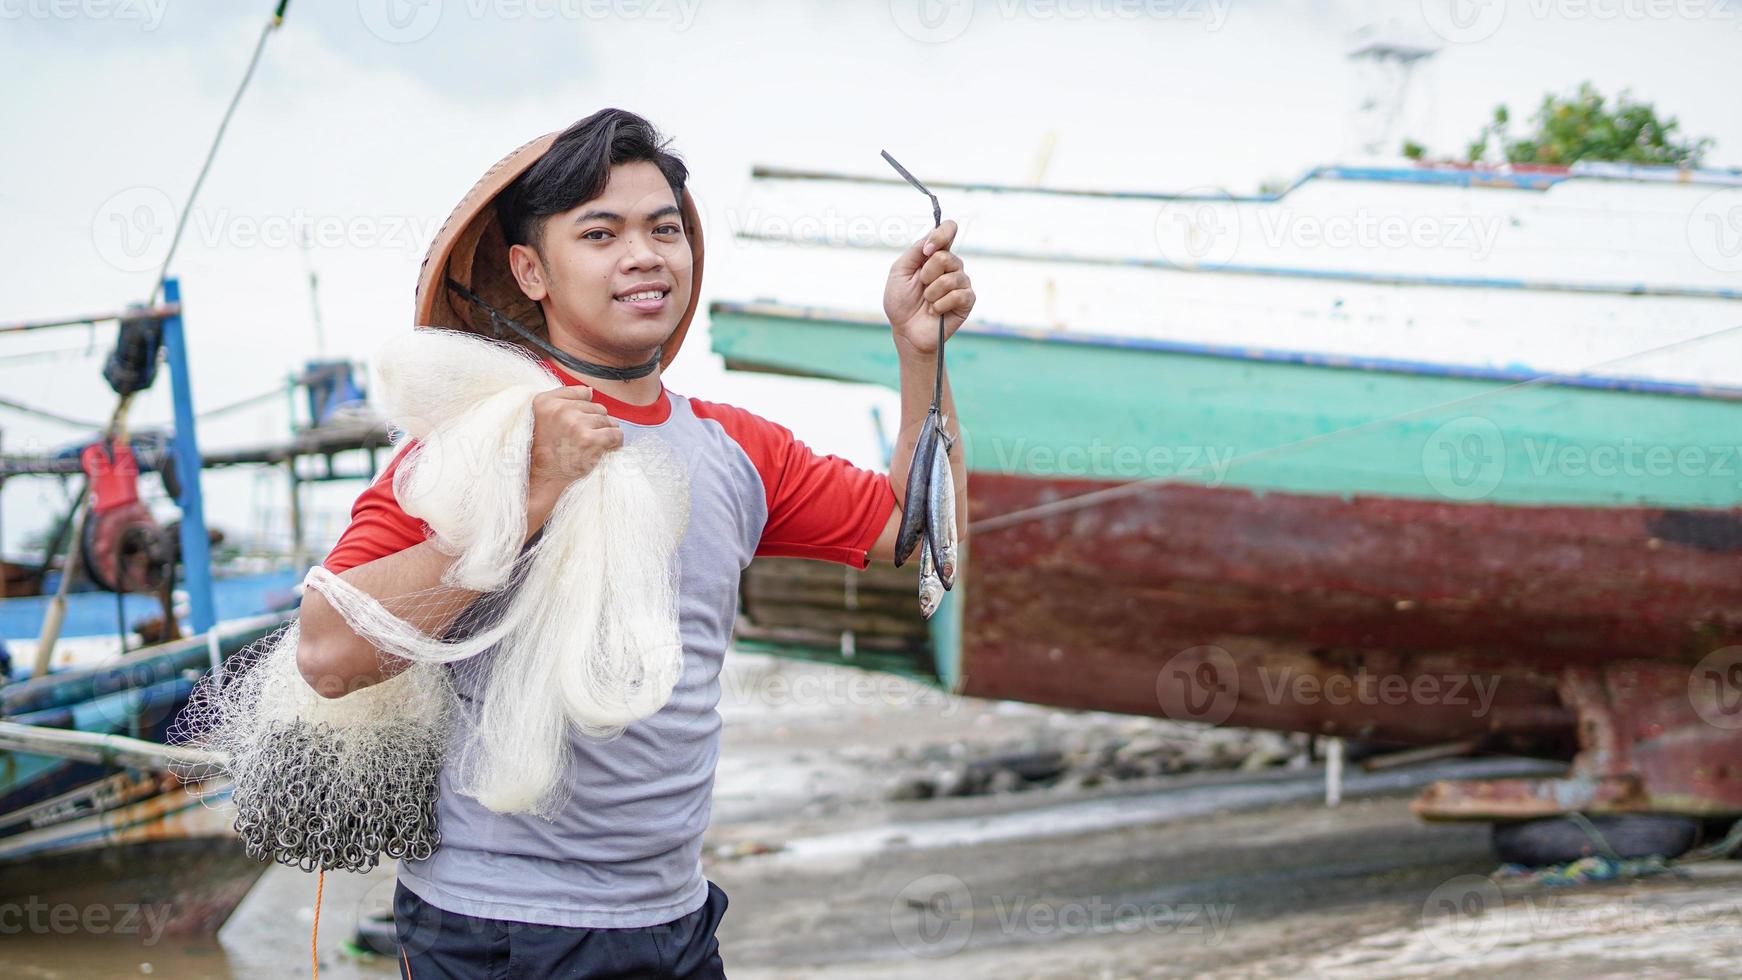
368,119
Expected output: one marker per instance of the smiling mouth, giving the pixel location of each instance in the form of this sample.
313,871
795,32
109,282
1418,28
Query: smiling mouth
643,296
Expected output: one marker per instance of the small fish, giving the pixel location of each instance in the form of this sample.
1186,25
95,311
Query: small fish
940,506
918,476
931,590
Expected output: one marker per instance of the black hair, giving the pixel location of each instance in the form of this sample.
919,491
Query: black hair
578,166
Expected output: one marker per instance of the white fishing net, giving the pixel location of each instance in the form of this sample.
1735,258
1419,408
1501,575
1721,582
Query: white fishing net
581,628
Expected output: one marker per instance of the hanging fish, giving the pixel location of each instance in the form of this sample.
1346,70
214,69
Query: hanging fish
940,510
913,513
931,589
928,518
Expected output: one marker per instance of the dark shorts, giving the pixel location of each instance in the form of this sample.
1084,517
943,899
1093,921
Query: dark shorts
436,944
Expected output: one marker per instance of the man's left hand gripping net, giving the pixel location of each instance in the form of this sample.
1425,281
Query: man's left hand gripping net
580,629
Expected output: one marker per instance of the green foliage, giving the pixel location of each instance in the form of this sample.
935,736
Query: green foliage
1587,127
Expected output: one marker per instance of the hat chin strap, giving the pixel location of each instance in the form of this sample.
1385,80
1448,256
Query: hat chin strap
500,320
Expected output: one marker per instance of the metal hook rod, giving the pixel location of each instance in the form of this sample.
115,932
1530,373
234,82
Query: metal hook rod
937,218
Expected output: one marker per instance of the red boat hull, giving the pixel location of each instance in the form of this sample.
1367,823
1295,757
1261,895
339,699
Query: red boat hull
1393,619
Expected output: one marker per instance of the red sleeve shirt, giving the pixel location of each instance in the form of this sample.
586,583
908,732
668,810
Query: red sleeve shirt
820,507
378,526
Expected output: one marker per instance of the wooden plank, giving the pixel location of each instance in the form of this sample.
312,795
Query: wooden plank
823,618
781,592
824,640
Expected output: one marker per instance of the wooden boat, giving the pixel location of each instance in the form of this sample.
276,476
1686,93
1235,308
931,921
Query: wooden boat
95,623
90,813
1237,460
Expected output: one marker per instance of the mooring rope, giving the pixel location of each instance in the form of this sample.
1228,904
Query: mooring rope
314,934
46,415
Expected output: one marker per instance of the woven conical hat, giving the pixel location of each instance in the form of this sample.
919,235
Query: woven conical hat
471,249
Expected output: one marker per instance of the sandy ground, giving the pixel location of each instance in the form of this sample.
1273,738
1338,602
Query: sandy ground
834,871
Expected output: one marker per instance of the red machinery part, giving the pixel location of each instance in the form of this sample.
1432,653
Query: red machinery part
117,545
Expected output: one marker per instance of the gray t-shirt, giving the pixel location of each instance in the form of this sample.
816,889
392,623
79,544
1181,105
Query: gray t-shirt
626,850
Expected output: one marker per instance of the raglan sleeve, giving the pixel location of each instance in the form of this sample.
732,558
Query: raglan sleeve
820,506
379,526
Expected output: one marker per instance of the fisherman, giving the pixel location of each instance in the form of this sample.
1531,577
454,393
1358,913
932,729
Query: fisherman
586,247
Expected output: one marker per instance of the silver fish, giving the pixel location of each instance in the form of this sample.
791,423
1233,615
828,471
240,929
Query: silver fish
940,510
913,515
931,591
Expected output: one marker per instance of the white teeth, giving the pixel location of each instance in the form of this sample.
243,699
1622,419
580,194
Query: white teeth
638,297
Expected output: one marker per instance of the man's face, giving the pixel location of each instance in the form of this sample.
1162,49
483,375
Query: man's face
614,274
